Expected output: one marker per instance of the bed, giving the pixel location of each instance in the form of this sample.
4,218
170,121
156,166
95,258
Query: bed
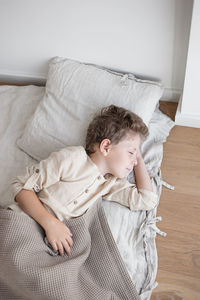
27,110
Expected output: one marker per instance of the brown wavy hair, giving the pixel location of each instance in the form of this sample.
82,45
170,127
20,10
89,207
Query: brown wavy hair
113,123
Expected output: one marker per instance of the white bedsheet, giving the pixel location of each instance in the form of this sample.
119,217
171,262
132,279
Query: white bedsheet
134,232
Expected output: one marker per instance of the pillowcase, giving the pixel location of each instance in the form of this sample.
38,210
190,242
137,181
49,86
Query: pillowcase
74,92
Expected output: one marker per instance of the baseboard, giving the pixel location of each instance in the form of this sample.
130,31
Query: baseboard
187,120
22,79
170,94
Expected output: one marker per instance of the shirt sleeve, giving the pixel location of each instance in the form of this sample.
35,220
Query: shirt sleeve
128,195
43,174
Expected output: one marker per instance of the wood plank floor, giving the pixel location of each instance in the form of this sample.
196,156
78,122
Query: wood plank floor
179,253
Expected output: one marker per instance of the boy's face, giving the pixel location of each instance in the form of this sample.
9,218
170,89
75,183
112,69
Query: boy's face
122,157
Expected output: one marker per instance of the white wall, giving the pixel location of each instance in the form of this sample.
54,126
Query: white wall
188,113
146,37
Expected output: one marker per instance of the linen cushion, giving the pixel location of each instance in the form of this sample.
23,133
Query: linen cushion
74,92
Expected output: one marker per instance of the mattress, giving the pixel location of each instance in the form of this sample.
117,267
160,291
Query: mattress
134,231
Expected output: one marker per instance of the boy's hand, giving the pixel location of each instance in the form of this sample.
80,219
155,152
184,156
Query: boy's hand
138,154
143,180
59,236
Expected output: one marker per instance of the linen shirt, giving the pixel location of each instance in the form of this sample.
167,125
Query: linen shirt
68,182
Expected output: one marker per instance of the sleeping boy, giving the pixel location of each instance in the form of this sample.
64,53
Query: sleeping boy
68,182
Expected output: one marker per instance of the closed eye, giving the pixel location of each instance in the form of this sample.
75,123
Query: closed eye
132,152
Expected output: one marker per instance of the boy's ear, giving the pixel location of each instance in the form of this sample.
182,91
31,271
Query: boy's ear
105,146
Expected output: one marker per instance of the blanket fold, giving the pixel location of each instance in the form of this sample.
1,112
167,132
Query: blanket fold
30,269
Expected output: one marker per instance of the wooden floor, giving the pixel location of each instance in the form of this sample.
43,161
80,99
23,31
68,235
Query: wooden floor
179,253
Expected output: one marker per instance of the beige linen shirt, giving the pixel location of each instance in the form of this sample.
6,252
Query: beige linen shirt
68,183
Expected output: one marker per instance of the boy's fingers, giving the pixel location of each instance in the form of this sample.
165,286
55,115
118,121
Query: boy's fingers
69,240
69,231
66,247
54,245
60,248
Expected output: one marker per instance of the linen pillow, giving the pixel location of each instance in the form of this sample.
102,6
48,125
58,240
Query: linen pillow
74,92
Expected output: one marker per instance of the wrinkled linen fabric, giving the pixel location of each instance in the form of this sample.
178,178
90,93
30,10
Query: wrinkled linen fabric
134,232
31,270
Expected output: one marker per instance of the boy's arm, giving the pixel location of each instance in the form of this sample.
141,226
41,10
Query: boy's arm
142,178
58,234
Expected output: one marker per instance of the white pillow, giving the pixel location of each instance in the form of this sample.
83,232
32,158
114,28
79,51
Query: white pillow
74,93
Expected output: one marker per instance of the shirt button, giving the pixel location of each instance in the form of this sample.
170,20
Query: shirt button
99,177
86,191
37,171
75,201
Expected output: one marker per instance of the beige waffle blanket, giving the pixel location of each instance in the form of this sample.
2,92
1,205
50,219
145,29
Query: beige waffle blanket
30,269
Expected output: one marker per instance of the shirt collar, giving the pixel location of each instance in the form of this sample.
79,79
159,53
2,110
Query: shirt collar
98,172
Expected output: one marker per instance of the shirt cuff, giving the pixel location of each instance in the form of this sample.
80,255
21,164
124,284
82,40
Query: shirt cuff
144,200
26,183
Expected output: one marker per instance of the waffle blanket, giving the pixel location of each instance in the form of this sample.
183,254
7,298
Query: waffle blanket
30,269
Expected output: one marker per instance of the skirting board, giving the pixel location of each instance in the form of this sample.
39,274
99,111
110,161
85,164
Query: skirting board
169,94
23,79
187,120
